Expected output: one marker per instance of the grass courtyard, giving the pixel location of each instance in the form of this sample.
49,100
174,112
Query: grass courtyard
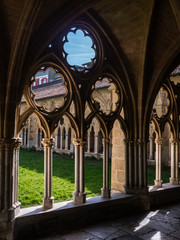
31,177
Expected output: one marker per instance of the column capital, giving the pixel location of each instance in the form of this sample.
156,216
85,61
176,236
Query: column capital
174,141
78,142
106,140
47,142
7,143
18,143
159,141
128,141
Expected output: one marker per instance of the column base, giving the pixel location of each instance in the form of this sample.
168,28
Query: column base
48,203
158,183
79,198
174,181
105,193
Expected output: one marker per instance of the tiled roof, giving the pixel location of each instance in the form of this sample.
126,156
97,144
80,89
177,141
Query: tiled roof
57,89
49,90
176,71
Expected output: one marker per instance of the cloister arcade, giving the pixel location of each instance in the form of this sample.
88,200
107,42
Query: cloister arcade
120,101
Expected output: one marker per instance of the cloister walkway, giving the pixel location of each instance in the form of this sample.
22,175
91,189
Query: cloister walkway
159,224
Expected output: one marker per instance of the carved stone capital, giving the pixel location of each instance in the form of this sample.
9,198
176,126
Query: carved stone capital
10,143
159,141
78,142
105,140
47,142
174,141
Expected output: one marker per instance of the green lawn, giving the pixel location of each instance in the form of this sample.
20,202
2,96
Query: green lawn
31,177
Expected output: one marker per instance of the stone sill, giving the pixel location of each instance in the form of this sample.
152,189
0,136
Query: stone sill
31,211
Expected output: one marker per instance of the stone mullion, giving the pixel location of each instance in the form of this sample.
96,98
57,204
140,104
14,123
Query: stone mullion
158,181
48,199
105,191
79,195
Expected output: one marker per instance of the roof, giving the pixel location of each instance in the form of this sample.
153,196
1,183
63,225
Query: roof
176,71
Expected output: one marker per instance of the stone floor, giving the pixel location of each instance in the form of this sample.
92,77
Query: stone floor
160,224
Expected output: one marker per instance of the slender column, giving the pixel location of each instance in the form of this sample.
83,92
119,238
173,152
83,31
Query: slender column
66,142
158,181
48,199
151,148
89,143
16,174
96,144
61,142
79,195
55,142
105,191
174,162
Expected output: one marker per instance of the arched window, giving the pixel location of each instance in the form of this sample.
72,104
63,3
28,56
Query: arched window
100,145
39,138
69,138
63,138
26,141
58,138
92,133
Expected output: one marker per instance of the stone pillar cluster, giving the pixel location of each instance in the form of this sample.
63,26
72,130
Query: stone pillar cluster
136,166
9,163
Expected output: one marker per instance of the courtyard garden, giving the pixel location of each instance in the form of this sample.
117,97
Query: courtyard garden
31,177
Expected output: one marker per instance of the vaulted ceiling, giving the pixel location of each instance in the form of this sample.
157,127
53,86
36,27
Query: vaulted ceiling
145,33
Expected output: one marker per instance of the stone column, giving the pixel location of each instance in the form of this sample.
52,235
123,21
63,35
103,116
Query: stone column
48,199
79,195
96,144
9,206
89,143
61,142
174,162
136,166
158,181
66,143
55,142
105,191
151,149
17,145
